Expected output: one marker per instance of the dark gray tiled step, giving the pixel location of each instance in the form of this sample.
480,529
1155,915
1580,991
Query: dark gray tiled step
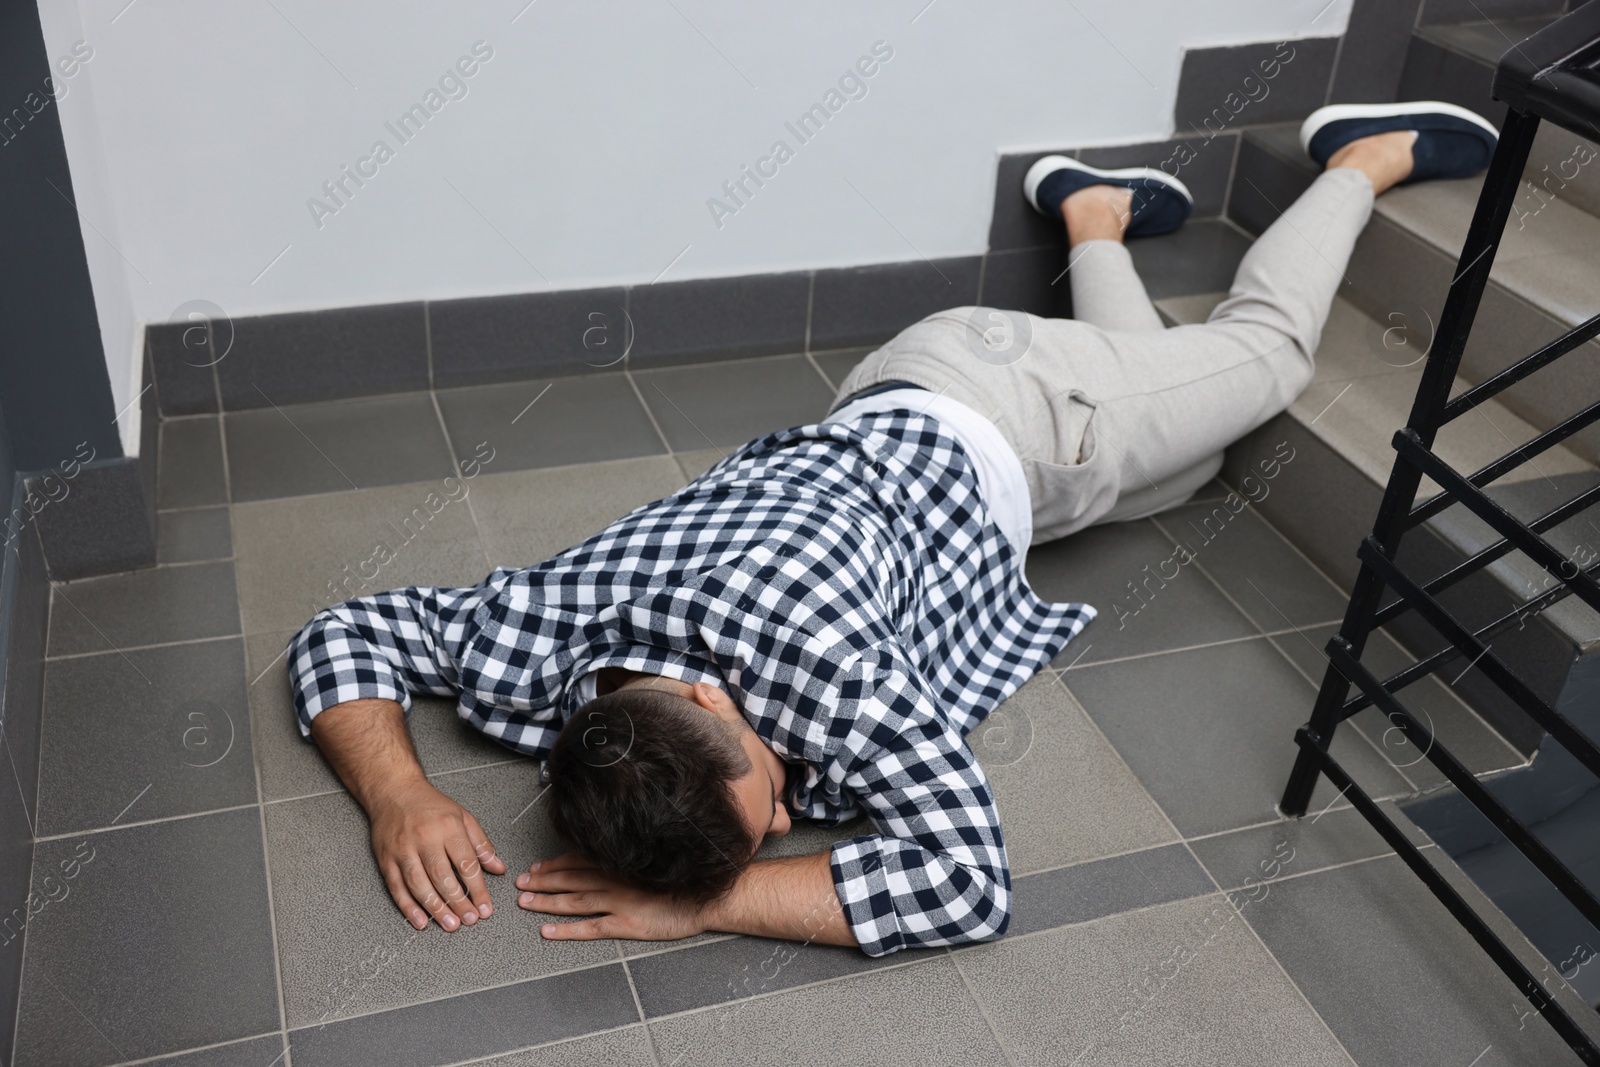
474,1024
718,318
160,941
854,306
513,338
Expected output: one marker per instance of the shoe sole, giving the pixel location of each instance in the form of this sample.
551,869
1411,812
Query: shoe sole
1050,164
1339,112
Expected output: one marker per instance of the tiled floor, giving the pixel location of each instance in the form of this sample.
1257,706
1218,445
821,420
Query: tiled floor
224,905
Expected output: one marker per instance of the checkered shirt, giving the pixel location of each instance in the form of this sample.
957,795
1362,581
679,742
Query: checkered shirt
843,582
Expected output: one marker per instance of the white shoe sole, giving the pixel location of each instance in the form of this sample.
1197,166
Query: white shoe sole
1050,164
1339,112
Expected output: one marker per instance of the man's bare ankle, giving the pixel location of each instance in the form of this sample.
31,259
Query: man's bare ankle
1097,213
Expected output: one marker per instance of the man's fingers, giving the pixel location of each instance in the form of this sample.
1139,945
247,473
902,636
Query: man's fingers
481,846
443,875
584,930
402,899
423,893
571,881
567,861
582,903
466,862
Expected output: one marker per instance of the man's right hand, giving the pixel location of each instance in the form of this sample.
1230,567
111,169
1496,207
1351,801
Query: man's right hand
431,851
432,854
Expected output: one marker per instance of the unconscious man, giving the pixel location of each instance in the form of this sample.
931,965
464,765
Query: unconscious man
811,629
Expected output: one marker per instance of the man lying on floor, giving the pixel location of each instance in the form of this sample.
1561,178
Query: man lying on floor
811,628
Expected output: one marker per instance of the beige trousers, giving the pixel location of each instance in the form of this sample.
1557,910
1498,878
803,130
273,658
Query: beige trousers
1114,416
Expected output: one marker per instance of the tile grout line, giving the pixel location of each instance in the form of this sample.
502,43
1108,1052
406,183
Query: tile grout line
38,784
982,1008
649,1038
145,822
1233,170
650,413
811,303
199,1048
65,656
455,464
1287,977
1182,648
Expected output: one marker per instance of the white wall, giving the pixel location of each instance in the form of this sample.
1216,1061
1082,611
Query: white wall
586,149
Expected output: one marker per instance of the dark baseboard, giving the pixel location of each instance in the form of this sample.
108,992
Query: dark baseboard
24,614
96,521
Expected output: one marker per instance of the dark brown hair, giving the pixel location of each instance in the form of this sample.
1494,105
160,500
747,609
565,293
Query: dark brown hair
641,783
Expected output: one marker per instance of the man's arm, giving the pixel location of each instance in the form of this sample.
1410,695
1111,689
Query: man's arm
790,899
421,838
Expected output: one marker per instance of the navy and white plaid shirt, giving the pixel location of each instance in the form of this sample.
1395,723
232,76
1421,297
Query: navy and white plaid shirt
843,582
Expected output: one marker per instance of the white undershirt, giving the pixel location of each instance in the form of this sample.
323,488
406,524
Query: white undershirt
1001,481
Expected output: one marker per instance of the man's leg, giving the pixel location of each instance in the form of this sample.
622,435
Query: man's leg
1169,402
1106,291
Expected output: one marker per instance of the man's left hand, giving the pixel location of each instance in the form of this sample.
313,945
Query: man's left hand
573,885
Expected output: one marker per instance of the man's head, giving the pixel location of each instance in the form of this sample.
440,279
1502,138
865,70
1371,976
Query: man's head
666,786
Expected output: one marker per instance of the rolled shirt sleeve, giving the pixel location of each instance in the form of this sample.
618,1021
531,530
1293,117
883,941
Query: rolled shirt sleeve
936,873
383,647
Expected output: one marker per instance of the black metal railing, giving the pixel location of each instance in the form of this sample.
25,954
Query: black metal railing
1553,76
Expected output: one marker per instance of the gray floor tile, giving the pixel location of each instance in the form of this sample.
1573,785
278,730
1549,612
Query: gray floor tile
1210,732
256,1052
477,1024
293,450
1118,569
693,464
148,607
1271,582
16,869
1394,975
1200,258
725,405
193,536
298,556
343,945
1063,794
628,1047
580,419
1090,891
914,1016
529,516
1467,736
164,729
1186,983
189,468
1292,847
734,968
161,942
836,363
292,767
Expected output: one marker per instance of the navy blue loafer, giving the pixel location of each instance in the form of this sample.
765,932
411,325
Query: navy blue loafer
1161,202
1452,142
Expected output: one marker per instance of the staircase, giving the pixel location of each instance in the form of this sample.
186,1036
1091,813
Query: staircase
1546,279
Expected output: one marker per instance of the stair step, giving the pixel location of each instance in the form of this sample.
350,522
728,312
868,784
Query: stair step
1485,42
1358,398
1545,279
1325,501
